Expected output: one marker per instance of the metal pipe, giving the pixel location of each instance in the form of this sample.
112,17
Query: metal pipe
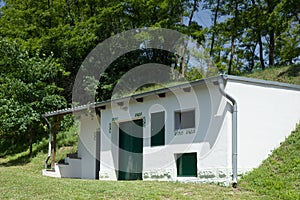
49,143
234,129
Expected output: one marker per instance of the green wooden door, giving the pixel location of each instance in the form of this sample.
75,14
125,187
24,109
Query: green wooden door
131,150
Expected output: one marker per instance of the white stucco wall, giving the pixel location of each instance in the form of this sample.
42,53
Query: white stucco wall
266,115
210,140
89,124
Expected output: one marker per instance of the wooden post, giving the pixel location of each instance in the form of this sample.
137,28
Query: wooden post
53,153
30,142
57,121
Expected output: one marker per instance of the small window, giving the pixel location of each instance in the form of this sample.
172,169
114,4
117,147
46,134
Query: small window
157,129
187,165
184,119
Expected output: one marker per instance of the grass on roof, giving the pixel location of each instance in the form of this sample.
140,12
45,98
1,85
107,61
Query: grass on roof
147,88
286,74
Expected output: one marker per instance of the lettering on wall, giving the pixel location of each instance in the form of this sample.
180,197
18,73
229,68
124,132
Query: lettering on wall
139,114
184,132
114,119
144,121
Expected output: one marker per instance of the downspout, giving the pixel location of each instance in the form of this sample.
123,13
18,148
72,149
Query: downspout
50,140
221,80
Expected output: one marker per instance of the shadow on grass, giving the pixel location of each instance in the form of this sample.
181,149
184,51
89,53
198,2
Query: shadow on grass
19,158
22,158
292,71
18,161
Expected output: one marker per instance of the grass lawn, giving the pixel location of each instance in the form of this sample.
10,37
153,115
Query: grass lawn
277,178
24,181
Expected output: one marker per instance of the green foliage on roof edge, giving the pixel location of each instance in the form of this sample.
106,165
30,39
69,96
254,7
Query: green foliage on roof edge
286,74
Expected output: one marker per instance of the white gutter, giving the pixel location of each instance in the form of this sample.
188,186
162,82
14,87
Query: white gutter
221,80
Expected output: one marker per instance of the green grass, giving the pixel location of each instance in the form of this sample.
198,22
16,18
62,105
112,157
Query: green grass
21,178
286,74
26,182
279,175
277,178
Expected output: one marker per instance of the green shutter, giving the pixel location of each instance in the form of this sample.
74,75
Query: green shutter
158,129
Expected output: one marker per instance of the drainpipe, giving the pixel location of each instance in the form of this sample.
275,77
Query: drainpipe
50,140
234,129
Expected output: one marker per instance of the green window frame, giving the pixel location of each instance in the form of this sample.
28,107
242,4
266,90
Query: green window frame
186,164
157,129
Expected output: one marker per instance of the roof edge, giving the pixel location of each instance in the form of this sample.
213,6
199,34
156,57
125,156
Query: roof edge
262,82
163,90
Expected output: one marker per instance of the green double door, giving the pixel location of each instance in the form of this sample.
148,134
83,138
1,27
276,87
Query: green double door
130,150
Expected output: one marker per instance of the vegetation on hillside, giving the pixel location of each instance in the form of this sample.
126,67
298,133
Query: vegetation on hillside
278,176
67,141
43,44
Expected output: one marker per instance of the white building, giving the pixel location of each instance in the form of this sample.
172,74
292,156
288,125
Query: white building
210,130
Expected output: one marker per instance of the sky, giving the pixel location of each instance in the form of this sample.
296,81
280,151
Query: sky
203,17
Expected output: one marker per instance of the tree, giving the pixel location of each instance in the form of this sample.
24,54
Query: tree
27,89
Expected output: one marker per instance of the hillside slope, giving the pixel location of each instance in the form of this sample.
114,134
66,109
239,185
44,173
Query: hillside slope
279,175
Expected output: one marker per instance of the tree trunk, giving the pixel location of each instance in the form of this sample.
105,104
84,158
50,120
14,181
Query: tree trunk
272,47
53,153
30,143
261,54
182,64
234,34
252,63
271,6
231,56
211,52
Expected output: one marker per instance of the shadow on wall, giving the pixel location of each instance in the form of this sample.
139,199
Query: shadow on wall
215,127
